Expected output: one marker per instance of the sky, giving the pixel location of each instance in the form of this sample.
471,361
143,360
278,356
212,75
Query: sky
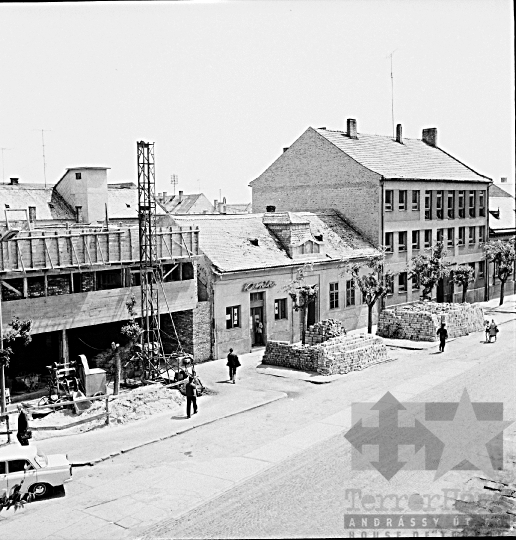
222,87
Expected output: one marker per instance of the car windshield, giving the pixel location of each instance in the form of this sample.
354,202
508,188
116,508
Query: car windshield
41,458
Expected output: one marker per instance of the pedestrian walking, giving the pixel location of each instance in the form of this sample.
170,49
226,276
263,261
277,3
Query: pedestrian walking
493,330
443,336
23,434
486,324
191,396
233,363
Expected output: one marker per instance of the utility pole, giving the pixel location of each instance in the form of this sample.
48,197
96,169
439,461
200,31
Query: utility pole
392,94
44,159
174,180
3,171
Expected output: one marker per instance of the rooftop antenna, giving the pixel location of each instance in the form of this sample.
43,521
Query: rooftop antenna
174,180
392,93
3,171
44,160
199,184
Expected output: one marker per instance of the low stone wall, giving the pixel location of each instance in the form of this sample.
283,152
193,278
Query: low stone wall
341,354
421,320
323,331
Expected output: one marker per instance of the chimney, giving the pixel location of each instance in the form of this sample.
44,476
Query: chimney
399,137
14,181
430,136
285,148
216,205
352,128
271,209
78,214
180,199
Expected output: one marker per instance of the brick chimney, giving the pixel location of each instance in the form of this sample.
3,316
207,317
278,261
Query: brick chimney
430,136
399,137
180,197
14,181
352,128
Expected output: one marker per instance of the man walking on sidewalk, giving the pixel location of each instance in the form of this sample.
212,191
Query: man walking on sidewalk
191,396
233,363
443,336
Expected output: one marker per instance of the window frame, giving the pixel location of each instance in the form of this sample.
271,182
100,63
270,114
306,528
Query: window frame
481,234
280,309
462,203
402,246
428,207
417,244
472,238
481,269
389,247
440,232
230,323
350,293
482,203
388,206
334,295
402,277
451,207
450,242
416,203
402,200
416,285
472,208
439,204
462,237
428,232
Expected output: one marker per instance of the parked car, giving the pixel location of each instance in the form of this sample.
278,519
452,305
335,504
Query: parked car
40,473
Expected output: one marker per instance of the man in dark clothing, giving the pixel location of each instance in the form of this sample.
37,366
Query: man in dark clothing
443,335
233,363
23,435
191,396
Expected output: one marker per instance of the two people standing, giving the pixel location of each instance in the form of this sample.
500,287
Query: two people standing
491,330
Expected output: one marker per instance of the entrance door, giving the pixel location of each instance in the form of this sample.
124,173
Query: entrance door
440,290
310,316
258,329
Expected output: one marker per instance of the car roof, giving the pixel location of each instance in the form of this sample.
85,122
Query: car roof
16,451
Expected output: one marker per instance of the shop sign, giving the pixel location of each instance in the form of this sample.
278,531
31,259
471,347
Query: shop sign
258,285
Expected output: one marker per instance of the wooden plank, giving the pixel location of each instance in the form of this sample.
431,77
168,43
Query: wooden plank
31,253
100,249
48,253
87,250
58,249
11,288
71,424
74,252
20,256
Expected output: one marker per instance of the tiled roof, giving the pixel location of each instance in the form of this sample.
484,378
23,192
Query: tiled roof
497,191
507,216
414,159
123,202
239,208
225,240
48,203
173,205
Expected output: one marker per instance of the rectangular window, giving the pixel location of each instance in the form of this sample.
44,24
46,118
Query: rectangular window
388,242
415,240
472,265
451,237
389,196
32,214
402,282
415,200
462,204
389,282
428,205
280,308
482,234
471,204
334,295
451,204
77,175
402,199
482,203
462,236
471,235
440,235
256,297
402,241
439,204
350,293
415,283
428,238
481,269
233,317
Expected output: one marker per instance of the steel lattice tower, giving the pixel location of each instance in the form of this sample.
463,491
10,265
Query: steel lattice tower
149,262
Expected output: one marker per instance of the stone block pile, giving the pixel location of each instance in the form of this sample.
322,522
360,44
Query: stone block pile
421,320
323,331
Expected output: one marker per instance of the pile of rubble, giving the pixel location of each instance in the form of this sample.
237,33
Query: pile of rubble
421,320
324,330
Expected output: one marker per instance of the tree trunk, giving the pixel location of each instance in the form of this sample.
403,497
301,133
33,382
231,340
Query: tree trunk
464,292
370,318
118,369
502,288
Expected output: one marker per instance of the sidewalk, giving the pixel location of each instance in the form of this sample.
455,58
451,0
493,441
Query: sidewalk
492,306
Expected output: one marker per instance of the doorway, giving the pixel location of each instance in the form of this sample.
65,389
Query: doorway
257,328
311,314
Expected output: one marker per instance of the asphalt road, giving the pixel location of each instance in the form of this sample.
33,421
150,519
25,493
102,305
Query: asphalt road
308,495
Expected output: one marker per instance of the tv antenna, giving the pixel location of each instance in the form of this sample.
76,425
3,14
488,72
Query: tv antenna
3,171
44,159
392,93
174,180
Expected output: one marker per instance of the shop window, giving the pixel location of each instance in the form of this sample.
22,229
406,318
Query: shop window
109,279
388,242
428,238
280,308
415,200
451,204
233,317
439,204
389,196
402,199
415,240
471,239
462,236
451,237
334,295
187,271
462,204
402,282
428,205
402,241
350,293
471,204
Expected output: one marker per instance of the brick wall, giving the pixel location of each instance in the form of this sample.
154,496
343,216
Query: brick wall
58,285
342,184
421,320
202,332
336,355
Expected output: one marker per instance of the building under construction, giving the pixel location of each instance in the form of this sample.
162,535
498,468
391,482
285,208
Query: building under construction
74,277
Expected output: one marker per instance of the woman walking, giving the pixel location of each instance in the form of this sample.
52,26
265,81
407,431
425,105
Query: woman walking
493,330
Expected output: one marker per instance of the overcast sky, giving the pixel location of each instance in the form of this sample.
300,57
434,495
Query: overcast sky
222,87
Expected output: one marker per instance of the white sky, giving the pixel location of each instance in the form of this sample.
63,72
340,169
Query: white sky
221,88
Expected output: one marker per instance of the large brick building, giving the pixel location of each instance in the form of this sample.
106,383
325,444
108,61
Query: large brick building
404,194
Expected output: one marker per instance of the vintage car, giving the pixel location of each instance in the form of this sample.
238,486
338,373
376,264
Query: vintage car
38,472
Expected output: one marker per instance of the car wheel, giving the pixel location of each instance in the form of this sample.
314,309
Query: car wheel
40,489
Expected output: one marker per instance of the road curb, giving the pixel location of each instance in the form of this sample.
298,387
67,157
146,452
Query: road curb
92,462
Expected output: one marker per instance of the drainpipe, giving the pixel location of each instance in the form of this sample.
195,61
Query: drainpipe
381,305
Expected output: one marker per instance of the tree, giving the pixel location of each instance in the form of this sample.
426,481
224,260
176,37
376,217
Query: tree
429,268
462,276
373,285
14,498
502,254
132,331
302,295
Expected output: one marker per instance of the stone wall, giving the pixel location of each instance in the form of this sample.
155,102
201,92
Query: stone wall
323,331
421,320
202,332
336,355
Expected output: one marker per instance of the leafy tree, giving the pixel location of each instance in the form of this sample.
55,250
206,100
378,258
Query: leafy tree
302,295
502,254
462,276
373,285
428,268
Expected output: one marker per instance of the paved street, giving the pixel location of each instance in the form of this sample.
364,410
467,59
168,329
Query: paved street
280,469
